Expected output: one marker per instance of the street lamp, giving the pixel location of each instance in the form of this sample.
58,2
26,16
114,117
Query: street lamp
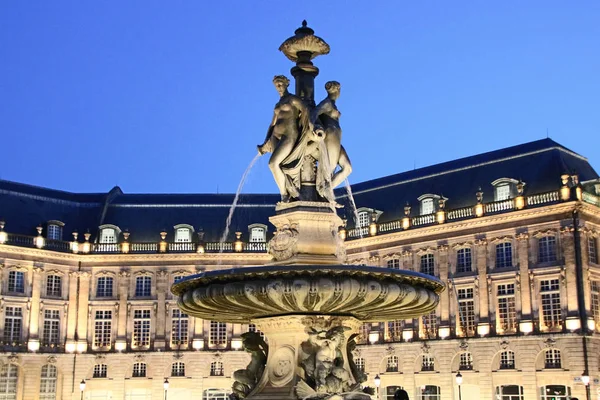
377,381
585,379
82,387
459,381
166,386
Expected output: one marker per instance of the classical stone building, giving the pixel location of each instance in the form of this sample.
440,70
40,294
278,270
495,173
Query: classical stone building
514,233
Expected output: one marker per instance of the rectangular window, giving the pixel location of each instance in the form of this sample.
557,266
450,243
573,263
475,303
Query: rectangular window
13,323
466,311
51,333
141,328
53,286
463,260
552,359
502,192
108,235
16,282
595,292
427,206
428,363
507,360
504,255
179,328
363,219
100,371
54,232
218,334
393,263
507,314
547,249
428,264
592,250
395,329
466,361
143,286
104,286
182,235
429,325
551,309
103,328
139,370
257,235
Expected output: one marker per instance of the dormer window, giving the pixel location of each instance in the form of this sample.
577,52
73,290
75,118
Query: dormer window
257,234
430,203
363,219
503,192
505,188
54,230
183,233
108,235
427,206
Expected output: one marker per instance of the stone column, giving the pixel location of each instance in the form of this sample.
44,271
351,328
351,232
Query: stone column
162,286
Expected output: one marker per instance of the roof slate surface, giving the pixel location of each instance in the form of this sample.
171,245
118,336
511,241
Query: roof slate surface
539,164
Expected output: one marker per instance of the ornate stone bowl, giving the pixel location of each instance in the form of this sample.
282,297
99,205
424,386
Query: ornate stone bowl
310,315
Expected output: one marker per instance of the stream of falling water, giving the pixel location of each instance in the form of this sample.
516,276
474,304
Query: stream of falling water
353,205
234,204
329,195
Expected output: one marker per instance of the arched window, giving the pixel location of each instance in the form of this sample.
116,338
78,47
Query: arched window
466,361
430,392
360,364
506,188
509,392
427,363
216,368
363,219
48,383
9,375
390,391
139,370
54,230
552,359
555,392
507,360
392,364
108,235
547,249
178,369
100,371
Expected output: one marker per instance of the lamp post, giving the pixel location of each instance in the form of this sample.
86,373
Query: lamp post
166,386
585,379
459,381
377,381
82,387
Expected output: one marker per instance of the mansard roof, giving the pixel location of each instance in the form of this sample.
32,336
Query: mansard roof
539,164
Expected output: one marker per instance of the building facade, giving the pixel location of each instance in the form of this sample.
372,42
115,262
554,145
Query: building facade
513,233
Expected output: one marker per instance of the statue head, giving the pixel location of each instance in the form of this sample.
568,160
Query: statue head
333,89
281,83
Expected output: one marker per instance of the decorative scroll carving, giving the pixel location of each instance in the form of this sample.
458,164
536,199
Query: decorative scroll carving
283,244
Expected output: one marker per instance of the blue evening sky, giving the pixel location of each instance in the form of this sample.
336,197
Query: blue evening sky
173,96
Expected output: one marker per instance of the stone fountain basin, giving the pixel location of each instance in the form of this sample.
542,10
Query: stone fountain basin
369,294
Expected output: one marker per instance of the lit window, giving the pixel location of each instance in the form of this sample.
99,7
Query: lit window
179,328
551,309
178,369
430,392
16,282
466,361
507,360
503,192
9,376
100,371
13,323
427,363
392,364
360,364
139,370
183,235
102,328
53,286
509,392
47,383
592,250
54,232
463,260
51,332
507,314
141,328
427,206
395,329
363,219
547,249
363,333
552,359
429,325
218,333
108,235
595,292
504,255
466,311
428,264
143,286
393,263
257,234
104,286
555,392
216,368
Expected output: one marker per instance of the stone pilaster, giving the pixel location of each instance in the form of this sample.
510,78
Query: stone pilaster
523,259
36,290
162,286
123,306
72,307
445,295
84,312
568,275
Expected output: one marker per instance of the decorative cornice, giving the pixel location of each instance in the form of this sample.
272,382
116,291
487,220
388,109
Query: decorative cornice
542,233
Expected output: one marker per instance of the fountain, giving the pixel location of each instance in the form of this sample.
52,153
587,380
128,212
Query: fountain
308,304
